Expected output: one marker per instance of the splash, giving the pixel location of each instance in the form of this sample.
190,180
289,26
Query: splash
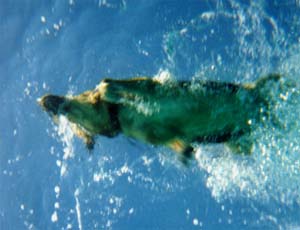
163,76
271,173
66,135
252,45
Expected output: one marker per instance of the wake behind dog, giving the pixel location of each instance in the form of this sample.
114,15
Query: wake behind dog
172,114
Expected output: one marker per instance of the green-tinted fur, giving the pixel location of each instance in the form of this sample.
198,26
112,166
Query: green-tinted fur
173,114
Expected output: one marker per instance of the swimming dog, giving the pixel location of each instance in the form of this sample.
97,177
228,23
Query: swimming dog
172,113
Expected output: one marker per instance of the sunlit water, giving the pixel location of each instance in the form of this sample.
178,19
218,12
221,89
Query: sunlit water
55,183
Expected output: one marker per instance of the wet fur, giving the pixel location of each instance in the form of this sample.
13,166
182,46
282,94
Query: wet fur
173,114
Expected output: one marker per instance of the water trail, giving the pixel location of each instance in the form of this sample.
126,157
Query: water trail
78,212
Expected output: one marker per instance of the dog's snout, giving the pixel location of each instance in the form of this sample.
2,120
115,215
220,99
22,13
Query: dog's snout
51,103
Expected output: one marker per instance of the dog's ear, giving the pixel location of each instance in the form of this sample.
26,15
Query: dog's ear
126,91
95,97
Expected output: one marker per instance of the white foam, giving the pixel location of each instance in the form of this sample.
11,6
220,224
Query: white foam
56,26
56,205
131,211
66,134
63,169
57,189
209,15
43,19
195,221
54,217
163,76
97,177
76,194
271,172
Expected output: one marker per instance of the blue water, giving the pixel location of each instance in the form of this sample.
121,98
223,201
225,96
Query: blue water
48,180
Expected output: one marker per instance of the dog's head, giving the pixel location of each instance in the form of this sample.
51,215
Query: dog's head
86,110
52,104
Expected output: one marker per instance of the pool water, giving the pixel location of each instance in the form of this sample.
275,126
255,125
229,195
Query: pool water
48,180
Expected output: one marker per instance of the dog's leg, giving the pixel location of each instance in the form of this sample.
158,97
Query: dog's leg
87,138
185,150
